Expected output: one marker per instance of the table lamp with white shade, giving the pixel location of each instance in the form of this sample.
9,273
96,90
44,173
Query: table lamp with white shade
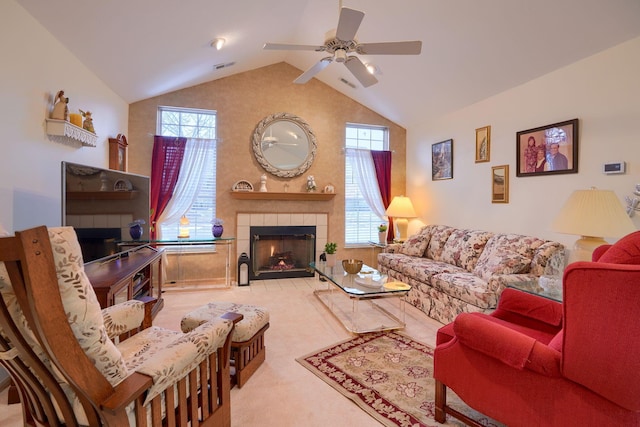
592,214
401,209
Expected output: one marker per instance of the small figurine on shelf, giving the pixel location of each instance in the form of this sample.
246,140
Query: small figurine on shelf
60,107
311,184
88,121
263,183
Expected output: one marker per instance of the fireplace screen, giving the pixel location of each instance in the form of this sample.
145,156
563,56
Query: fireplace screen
282,251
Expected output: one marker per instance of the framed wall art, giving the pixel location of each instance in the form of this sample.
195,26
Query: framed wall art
483,144
546,150
442,160
500,184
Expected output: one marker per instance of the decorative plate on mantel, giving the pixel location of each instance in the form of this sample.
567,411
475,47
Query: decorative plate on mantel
242,185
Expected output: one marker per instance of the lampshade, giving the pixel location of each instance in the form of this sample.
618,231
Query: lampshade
592,214
401,208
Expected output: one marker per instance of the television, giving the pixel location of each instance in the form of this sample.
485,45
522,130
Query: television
100,204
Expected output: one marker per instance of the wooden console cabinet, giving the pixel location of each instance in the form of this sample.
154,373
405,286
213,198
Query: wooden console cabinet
128,277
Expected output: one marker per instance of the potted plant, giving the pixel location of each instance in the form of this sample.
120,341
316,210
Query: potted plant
382,233
330,250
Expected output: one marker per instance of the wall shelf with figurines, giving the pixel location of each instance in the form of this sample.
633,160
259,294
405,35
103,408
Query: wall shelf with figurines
62,131
67,128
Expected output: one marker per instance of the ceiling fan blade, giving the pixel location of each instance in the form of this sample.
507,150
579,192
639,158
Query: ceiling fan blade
284,46
390,48
348,23
360,72
308,75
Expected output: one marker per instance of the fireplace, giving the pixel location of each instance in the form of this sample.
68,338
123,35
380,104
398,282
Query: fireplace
282,251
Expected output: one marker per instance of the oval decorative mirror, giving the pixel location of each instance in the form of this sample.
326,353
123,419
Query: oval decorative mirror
284,145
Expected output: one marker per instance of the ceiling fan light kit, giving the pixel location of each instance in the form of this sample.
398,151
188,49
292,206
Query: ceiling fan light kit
218,43
344,43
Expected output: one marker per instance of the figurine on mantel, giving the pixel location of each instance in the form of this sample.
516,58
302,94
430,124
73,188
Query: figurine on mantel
263,183
311,184
88,121
60,107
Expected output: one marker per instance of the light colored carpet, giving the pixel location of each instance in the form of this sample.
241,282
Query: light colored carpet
281,393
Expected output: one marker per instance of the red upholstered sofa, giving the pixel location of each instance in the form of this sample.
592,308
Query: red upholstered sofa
536,362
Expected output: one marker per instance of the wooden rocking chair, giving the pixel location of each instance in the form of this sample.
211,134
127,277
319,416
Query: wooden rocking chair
74,364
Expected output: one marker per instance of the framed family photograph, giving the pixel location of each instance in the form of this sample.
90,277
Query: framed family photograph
442,160
500,184
483,144
548,150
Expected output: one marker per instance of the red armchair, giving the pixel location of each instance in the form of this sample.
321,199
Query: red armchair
535,362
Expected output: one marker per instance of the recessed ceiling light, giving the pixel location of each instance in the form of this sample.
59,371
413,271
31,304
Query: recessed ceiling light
218,43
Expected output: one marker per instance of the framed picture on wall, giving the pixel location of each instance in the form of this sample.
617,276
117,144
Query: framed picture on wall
442,160
483,144
500,184
547,150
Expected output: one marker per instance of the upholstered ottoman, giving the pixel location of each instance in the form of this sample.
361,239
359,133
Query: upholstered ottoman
247,340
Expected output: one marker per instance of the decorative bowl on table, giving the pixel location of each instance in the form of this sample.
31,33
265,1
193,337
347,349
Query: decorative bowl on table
352,266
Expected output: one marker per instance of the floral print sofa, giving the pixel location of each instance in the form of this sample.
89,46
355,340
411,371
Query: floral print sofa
455,270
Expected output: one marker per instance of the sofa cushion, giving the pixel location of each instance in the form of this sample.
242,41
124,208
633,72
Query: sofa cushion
439,236
624,251
463,248
416,244
467,287
502,262
420,269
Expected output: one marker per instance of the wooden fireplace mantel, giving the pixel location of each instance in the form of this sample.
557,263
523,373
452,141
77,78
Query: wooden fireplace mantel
269,195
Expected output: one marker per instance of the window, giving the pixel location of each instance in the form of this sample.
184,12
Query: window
201,125
361,223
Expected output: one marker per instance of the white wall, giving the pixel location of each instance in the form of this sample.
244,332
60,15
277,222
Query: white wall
603,91
34,67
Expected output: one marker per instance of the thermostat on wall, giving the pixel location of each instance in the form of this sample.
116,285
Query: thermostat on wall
615,167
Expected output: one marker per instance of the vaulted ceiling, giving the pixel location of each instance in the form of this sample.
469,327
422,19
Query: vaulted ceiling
471,49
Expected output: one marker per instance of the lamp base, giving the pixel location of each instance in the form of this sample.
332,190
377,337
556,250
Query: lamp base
584,247
402,227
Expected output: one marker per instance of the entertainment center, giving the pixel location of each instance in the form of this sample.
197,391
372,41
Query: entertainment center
128,275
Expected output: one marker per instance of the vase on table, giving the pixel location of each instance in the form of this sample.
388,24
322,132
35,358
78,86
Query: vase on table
135,231
382,237
217,230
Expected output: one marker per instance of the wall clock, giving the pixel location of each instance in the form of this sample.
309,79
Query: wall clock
118,153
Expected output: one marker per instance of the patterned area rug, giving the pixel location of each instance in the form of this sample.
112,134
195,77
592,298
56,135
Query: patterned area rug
388,375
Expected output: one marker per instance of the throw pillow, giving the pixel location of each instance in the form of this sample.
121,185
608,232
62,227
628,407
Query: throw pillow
463,248
439,236
624,251
415,245
502,262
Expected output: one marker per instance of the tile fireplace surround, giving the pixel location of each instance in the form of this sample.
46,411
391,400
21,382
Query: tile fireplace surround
245,220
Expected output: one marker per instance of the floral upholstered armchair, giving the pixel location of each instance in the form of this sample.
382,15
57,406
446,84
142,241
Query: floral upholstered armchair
75,364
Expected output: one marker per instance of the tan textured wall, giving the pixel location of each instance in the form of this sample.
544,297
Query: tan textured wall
241,101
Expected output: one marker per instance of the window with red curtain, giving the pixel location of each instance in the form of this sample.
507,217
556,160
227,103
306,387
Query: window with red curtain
165,167
361,223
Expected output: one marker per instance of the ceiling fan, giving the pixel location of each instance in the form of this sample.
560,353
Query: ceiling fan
342,43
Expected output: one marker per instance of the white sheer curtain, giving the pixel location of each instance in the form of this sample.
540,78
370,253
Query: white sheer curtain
197,155
364,172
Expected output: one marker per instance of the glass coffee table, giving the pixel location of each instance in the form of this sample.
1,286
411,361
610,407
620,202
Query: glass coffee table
357,299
